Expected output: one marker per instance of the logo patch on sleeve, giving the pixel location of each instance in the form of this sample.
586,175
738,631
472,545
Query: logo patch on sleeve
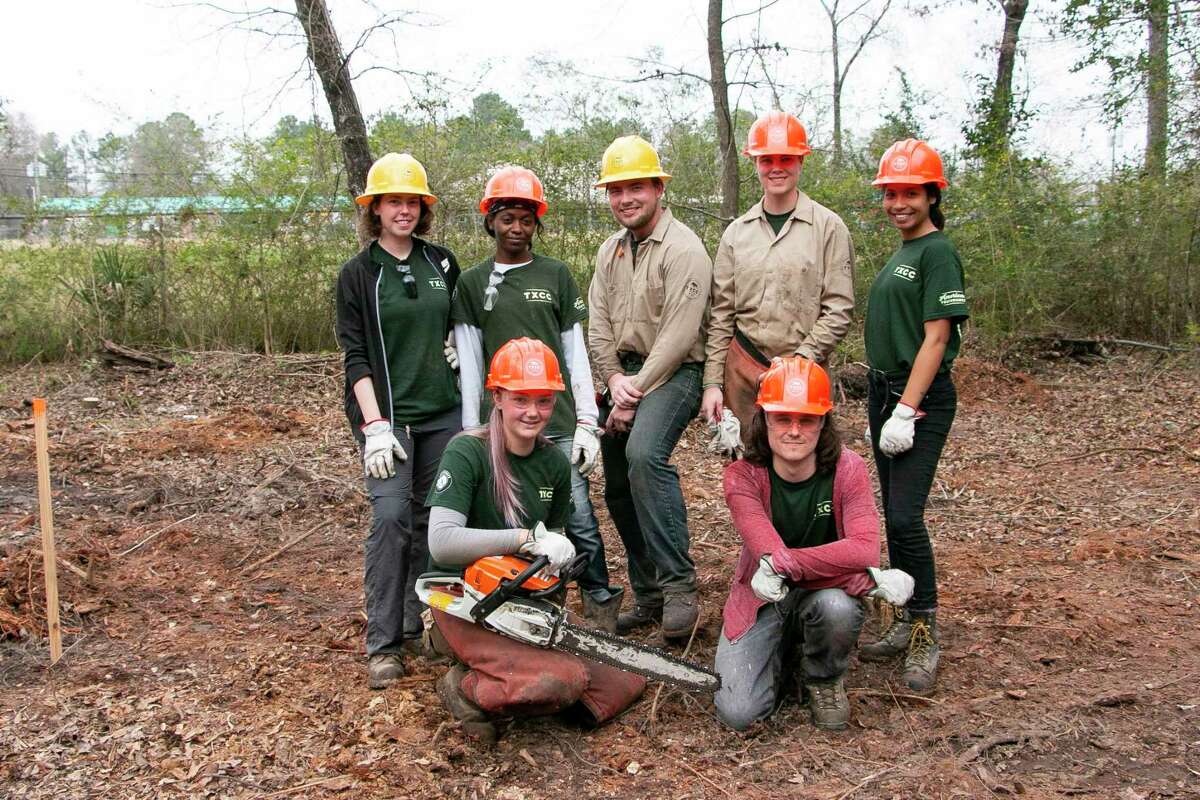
443,482
954,298
692,291
579,305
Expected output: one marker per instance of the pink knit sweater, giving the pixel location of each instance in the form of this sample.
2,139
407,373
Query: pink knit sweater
841,564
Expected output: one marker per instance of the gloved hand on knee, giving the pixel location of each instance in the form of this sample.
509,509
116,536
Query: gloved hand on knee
892,585
766,583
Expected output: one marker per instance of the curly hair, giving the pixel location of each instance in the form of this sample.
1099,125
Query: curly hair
369,222
758,447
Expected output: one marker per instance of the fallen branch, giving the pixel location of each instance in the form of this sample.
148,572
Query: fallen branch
284,548
1101,451
1012,737
878,693
155,535
709,781
863,783
343,779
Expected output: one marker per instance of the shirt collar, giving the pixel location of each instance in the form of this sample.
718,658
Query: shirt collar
803,210
660,227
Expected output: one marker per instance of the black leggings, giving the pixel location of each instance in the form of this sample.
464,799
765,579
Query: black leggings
905,480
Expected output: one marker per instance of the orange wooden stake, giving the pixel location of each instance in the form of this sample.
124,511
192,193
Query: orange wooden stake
49,561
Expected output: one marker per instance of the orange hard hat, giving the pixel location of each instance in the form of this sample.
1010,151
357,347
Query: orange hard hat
777,134
514,183
795,385
910,161
525,365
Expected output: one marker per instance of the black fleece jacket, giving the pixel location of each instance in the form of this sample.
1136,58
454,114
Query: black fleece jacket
357,328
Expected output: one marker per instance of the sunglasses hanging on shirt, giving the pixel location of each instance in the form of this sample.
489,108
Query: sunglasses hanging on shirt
492,292
406,277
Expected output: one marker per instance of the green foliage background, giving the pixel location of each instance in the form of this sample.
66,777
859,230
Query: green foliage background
1044,251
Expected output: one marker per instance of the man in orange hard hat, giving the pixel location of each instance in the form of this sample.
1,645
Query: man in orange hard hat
649,300
782,279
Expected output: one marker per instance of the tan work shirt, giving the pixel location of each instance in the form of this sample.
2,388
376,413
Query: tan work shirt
656,307
788,293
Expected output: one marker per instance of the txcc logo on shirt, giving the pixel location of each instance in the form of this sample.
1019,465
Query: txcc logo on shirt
538,296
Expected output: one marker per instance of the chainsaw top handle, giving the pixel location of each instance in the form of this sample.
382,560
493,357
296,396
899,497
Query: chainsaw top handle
508,589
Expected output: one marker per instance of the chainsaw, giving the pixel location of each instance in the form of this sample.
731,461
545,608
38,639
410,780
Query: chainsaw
506,594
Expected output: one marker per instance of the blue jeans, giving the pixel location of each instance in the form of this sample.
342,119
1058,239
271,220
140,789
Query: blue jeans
584,532
641,489
905,479
397,548
825,622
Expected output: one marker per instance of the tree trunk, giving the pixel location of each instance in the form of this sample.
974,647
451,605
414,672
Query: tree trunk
1157,84
837,93
325,51
1002,94
720,93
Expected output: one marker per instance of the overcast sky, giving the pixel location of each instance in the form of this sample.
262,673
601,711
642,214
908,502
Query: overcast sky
101,66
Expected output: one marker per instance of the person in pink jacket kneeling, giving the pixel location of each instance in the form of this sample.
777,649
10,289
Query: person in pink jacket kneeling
804,508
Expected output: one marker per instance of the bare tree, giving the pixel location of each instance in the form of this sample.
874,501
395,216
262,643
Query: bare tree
1001,109
840,15
724,119
1158,83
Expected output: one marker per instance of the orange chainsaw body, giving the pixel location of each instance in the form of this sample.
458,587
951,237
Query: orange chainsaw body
486,573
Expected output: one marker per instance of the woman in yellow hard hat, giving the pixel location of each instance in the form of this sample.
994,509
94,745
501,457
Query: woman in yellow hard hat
914,311
401,396
782,280
519,293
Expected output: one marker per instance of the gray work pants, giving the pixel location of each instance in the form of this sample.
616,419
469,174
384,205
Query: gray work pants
397,548
825,623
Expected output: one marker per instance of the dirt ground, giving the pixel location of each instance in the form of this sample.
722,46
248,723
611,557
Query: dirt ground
200,662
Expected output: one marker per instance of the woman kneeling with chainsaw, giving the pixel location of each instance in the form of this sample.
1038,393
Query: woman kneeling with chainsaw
506,489
803,505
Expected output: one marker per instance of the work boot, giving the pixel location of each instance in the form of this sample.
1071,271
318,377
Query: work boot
474,720
603,615
920,665
680,613
639,617
384,669
828,703
895,639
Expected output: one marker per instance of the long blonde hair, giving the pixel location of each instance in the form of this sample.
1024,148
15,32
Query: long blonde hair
505,487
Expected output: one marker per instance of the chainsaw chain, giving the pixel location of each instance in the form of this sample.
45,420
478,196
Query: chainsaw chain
568,629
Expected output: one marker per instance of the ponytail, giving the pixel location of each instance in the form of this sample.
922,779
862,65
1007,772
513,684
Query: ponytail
935,206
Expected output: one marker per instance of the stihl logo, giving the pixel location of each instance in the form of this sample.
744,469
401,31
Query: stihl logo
905,271
538,296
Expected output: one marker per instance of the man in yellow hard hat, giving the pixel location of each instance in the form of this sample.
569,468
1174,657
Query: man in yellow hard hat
649,299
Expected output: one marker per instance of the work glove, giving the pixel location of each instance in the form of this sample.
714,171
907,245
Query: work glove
451,352
544,542
585,448
381,450
897,433
766,583
726,436
892,585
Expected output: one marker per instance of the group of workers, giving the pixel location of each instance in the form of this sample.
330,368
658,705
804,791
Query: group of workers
472,397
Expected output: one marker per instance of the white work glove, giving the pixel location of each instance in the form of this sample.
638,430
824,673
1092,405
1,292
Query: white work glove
585,448
451,352
897,433
892,585
380,450
544,542
766,583
867,435
726,436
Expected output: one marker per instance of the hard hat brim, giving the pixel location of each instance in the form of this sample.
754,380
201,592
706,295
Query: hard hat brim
631,176
486,204
798,408
908,180
755,152
365,199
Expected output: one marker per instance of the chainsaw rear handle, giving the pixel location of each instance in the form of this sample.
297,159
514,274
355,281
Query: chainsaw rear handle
508,589
573,569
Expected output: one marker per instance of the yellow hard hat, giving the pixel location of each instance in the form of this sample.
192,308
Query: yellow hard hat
396,173
629,158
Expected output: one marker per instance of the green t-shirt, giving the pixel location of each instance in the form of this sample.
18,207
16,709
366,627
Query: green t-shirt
802,512
776,220
464,484
539,300
414,333
921,282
